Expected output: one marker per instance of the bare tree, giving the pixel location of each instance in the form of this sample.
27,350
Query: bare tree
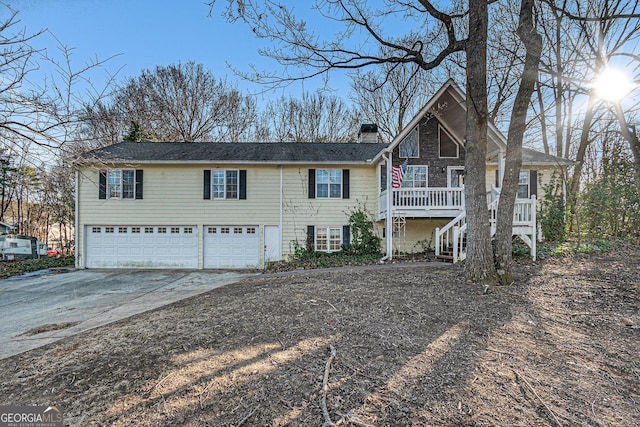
481,268
581,40
42,112
517,126
58,197
315,117
432,36
7,181
391,94
183,103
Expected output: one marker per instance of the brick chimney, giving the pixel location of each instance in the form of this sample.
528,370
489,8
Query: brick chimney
368,134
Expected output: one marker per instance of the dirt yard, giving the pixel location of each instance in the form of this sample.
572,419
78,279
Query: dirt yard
414,346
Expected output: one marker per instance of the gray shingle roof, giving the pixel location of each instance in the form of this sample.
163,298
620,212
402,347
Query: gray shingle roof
179,152
299,152
533,157
537,158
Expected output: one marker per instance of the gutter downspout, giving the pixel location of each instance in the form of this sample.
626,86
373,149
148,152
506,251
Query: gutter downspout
501,165
388,218
76,221
281,210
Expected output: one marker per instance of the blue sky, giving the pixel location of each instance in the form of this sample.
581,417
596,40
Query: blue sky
147,33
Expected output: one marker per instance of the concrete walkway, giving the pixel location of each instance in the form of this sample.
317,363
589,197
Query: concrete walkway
43,308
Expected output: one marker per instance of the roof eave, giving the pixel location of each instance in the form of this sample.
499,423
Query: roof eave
225,162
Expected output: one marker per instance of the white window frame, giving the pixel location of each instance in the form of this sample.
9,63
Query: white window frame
331,183
412,137
409,177
451,169
440,130
327,246
225,194
524,180
118,187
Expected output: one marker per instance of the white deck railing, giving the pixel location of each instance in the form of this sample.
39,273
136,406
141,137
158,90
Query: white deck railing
436,201
524,213
452,237
430,198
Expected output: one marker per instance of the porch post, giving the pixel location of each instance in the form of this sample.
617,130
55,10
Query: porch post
389,218
534,220
501,161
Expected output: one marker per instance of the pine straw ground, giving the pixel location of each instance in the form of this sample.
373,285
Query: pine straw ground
414,346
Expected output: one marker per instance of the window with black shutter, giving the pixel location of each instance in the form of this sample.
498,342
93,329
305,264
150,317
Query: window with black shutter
225,184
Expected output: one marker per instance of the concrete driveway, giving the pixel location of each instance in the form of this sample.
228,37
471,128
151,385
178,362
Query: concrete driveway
39,309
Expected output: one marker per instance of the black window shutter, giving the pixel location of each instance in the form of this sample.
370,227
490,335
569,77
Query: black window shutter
345,183
533,183
311,238
102,187
346,235
312,183
383,177
139,179
242,194
207,184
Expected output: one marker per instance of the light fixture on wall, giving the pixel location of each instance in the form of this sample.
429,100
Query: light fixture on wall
444,169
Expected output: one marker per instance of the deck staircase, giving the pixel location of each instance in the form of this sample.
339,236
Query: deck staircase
451,240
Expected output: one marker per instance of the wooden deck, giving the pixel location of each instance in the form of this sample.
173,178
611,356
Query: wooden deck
431,202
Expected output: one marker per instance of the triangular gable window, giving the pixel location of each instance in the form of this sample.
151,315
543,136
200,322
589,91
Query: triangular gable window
449,149
409,146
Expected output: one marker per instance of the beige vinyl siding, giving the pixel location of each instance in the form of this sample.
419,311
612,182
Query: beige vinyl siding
419,235
544,178
299,210
173,195
545,173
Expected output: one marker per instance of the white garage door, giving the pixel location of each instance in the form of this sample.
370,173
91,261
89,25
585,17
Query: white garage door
142,247
231,246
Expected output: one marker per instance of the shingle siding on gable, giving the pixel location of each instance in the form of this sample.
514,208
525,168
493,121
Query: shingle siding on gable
429,147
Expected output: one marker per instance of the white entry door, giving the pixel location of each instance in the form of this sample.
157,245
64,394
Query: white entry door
228,246
272,250
141,246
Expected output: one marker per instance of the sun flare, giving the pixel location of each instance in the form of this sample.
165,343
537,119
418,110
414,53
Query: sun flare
612,85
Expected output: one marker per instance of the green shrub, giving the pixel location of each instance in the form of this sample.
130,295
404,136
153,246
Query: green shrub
557,249
552,215
364,249
364,241
18,267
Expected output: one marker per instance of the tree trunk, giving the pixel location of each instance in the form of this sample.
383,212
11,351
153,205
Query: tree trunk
543,119
574,186
479,265
632,139
504,225
559,86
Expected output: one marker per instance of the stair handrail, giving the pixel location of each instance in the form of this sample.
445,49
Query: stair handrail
460,248
457,221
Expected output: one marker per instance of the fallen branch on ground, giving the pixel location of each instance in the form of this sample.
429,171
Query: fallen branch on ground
242,421
539,398
347,418
350,419
325,389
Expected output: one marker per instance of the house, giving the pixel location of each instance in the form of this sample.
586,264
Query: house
224,205
428,208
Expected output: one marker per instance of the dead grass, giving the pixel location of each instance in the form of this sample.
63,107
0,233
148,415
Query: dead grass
415,345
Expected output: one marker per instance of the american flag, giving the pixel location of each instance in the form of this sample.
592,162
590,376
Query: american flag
397,173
